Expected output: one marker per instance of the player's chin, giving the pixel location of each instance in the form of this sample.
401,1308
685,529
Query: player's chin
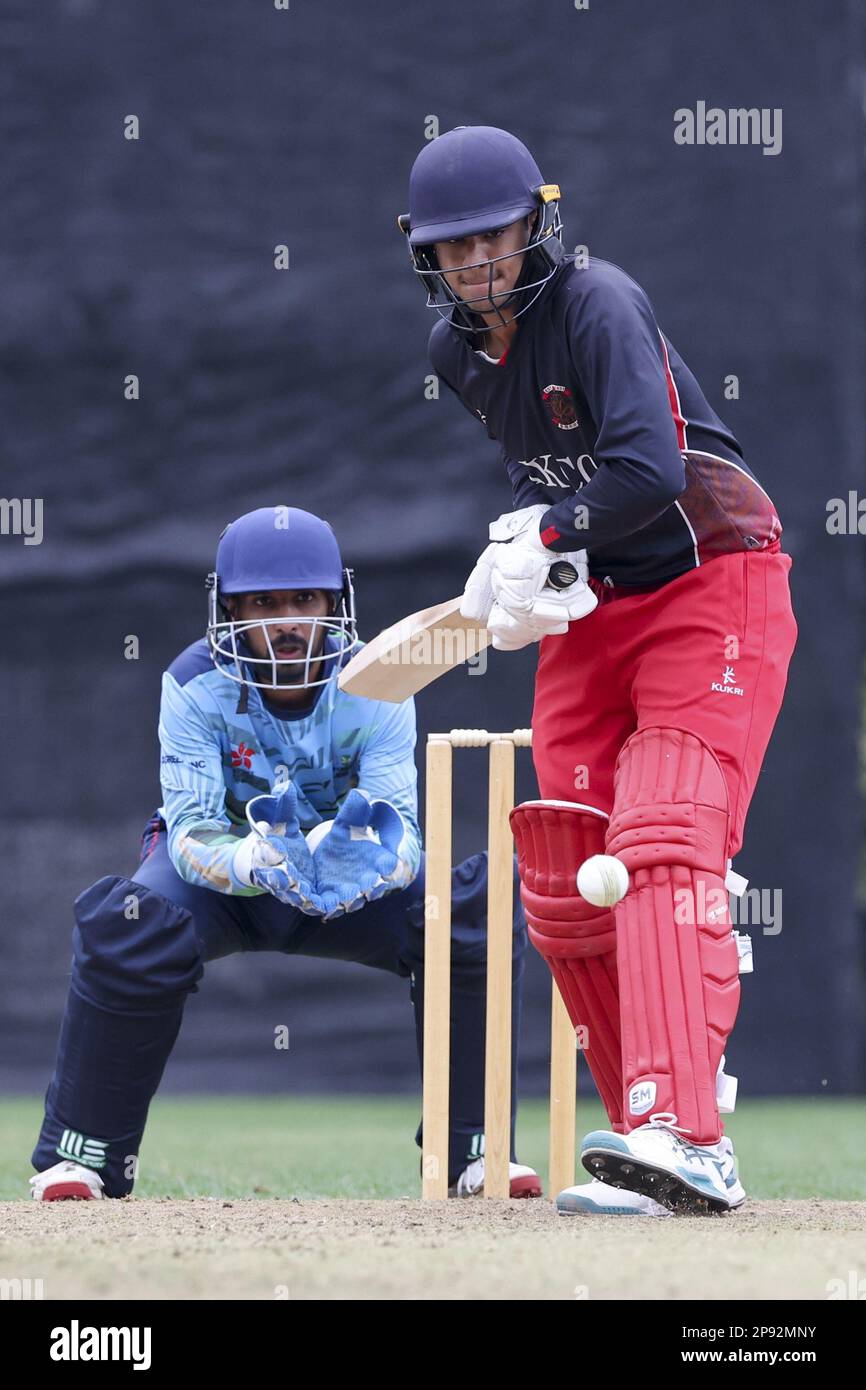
485,305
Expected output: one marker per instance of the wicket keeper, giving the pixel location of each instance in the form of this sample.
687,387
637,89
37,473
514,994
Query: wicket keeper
288,823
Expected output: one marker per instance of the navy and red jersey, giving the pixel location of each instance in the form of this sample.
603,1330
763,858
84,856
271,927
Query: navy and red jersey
597,415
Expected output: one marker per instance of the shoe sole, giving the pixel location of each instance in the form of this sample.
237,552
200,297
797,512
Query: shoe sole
66,1192
650,1180
526,1187
583,1206
521,1189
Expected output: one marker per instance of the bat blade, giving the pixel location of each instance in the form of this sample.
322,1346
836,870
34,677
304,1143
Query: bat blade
413,652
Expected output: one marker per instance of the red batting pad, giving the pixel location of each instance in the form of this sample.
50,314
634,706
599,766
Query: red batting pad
577,940
678,967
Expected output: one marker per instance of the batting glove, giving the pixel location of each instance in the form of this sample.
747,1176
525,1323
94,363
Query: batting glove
510,632
514,568
478,596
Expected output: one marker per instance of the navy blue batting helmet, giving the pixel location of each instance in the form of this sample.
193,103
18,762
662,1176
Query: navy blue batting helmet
475,179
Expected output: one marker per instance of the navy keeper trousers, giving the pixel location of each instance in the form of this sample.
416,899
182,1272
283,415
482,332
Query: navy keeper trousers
139,949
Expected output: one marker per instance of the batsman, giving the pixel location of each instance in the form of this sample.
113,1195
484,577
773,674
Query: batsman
661,669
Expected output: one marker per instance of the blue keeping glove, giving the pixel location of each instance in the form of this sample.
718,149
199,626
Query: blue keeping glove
357,855
275,855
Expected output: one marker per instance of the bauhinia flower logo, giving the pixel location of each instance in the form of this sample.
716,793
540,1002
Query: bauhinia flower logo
243,756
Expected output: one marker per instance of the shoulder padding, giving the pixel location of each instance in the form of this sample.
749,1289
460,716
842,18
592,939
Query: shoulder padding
194,661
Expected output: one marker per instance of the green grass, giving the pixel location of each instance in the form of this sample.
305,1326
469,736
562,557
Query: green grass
241,1146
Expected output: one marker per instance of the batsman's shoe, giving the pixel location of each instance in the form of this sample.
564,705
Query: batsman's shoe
523,1181
599,1199
656,1162
66,1181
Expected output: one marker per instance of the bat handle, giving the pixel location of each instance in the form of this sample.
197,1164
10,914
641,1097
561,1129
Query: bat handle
561,574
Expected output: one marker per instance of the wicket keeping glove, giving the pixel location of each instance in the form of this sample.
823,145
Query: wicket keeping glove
275,855
357,856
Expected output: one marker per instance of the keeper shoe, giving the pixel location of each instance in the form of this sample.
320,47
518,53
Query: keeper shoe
523,1181
600,1199
66,1181
655,1161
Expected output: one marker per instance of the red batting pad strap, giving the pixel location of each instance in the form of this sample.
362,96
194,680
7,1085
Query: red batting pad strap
577,940
678,967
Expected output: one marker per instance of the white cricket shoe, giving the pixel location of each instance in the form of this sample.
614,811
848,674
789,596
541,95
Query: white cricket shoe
66,1181
523,1181
656,1162
600,1199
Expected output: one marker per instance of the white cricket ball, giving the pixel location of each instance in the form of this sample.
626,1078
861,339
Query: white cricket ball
602,880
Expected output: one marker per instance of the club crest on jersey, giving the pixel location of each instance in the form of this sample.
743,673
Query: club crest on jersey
727,685
242,756
559,403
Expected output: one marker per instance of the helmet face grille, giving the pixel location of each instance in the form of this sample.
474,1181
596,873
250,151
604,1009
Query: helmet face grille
232,655
543,254
465,182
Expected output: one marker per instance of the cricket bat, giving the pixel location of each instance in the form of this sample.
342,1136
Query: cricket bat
424,646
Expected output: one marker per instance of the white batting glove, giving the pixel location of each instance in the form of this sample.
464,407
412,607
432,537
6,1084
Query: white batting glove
511,632
519,571
553,606
510,525
519,579
518,553
478,596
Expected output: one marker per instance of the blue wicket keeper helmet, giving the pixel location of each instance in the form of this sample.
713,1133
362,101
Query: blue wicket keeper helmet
279,548
476,179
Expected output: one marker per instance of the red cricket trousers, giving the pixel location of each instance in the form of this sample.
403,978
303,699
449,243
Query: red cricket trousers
707,652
